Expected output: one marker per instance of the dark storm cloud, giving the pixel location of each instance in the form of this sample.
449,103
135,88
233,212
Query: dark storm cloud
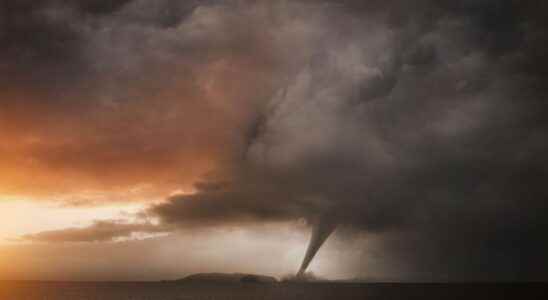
131,85
424,119
42,40
429,123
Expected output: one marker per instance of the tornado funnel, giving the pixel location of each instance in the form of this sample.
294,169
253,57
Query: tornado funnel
320,232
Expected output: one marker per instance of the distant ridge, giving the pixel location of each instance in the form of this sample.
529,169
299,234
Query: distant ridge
227,278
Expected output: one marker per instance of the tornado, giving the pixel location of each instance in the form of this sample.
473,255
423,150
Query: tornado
320,232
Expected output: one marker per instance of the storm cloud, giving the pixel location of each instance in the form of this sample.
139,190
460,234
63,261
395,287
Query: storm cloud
421,122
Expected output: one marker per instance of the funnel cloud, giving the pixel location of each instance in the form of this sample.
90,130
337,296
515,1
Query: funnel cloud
320,233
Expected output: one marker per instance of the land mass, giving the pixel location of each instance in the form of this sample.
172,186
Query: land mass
227,278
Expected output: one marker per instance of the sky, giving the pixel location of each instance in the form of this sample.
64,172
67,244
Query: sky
148,140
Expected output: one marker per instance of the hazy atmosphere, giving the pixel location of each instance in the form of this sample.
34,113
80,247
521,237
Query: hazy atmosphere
149,140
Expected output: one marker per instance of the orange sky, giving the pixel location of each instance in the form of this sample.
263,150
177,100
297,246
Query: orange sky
107,130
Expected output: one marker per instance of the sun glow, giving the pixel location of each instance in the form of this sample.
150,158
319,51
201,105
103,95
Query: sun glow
20,217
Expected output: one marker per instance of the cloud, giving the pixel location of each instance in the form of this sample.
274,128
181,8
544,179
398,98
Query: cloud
93,108
99,231
423,121
409,127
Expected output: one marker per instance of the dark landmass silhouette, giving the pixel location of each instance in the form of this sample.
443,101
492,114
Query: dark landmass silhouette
227,278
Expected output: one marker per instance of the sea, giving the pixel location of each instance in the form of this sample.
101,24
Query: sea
33,290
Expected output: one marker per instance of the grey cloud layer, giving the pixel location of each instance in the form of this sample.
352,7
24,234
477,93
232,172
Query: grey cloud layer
100,231
425,121
426,124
